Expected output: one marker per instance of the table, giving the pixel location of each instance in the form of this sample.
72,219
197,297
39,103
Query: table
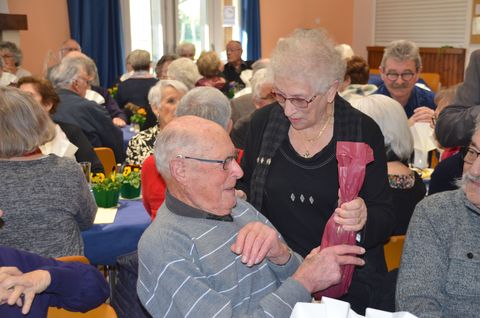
103,243
127,135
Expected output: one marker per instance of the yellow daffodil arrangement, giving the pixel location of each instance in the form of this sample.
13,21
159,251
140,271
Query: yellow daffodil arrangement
131,175
113,90
139,116
131,181
106,190
102,183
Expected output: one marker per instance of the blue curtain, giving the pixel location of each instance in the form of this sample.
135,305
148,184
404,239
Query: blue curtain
251,28
97,26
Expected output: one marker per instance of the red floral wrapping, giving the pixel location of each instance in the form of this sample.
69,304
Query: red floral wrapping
352,158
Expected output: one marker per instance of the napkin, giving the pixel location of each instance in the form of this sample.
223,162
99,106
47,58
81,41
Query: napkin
334,308
59,145
105,215
94,97
423,142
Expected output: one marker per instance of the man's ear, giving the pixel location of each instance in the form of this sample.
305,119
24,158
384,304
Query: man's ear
177,170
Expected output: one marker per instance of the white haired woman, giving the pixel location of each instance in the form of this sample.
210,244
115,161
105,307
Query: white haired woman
290,166
45,198
407,187
163,99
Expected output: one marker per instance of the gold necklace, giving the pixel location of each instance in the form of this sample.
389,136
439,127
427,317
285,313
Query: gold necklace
307,154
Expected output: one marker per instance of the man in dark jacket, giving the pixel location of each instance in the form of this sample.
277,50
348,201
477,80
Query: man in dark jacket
71,81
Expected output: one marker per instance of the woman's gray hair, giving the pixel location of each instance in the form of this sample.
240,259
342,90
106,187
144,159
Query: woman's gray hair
261,77
392,120
206,102
14,50
402,50
63,74
308,56
184,70
185,47
91,69
24,124
139,60
156,92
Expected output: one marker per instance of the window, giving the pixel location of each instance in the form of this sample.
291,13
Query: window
432,23
159,25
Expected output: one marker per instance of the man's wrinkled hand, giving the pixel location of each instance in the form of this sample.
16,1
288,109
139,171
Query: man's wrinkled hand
255,241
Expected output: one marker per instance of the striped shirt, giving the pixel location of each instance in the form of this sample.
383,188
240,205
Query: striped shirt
187,269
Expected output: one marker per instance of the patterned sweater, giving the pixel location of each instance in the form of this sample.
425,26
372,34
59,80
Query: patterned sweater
186,268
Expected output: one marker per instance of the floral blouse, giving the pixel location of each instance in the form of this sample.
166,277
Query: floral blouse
401,181
141,146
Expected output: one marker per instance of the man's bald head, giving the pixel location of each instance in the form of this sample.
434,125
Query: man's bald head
187,136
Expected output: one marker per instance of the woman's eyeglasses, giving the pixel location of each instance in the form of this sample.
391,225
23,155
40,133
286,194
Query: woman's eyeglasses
296,101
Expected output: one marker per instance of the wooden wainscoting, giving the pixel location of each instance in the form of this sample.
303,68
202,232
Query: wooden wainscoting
448,62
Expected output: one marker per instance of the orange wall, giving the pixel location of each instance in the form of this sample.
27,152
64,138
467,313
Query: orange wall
48,24
279,18
47,29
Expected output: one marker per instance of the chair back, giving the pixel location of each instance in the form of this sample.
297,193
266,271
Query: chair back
107,158
74,258
432,80
393,251
102,311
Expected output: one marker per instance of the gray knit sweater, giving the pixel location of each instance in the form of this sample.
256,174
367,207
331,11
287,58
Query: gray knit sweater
46,203
186,268
440,269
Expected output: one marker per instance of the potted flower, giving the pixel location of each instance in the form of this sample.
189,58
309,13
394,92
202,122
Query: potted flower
131,179
106,189
113,90
138,119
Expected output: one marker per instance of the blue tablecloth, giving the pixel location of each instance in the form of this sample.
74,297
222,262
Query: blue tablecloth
127,135
105,242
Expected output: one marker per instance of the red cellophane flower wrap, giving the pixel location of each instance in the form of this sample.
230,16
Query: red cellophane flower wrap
352,158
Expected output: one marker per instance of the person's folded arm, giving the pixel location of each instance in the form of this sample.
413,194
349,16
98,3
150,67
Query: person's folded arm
76,286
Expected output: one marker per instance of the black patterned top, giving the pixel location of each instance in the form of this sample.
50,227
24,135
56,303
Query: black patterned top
141,146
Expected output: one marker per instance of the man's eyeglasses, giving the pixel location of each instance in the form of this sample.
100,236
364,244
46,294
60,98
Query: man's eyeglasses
296,101
470,155
225,163
407,76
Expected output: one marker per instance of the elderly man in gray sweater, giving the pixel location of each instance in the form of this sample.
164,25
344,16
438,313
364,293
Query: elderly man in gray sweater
440,269
209,254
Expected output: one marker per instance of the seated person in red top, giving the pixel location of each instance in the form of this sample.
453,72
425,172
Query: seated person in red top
205,102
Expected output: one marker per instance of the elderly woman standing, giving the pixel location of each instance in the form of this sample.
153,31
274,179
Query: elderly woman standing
290,166
45,199
163,99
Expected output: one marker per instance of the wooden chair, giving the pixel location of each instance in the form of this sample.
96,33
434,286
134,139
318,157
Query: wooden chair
74,258
102,311
432,80
107,158
393,251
